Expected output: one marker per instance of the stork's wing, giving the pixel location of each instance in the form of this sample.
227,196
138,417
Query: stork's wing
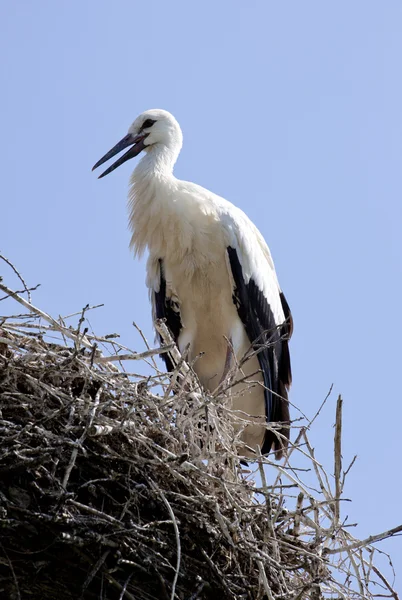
266,317
164,308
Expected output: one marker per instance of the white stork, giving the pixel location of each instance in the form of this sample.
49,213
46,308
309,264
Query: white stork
211,276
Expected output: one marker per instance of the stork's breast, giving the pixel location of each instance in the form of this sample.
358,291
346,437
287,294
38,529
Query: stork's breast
204,294
192,246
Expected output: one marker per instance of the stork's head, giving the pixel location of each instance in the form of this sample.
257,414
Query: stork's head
153,129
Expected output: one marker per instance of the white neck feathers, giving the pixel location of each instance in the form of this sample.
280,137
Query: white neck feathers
152,184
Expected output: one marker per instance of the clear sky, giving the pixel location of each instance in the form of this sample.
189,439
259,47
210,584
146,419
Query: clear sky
291,110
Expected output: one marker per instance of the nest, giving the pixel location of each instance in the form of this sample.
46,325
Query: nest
114,487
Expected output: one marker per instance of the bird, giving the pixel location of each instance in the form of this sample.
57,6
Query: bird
211,276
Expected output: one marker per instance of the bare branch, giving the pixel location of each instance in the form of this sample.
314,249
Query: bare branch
10,264
338,457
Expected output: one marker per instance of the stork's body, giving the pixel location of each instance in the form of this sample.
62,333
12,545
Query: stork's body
211,276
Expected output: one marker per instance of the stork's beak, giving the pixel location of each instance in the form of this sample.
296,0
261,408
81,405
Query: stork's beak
128,140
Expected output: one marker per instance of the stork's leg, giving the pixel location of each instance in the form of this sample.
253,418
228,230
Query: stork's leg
228,360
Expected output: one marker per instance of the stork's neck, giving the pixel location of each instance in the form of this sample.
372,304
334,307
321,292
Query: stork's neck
158,161
152,192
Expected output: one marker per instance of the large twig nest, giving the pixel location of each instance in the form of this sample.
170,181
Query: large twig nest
113,487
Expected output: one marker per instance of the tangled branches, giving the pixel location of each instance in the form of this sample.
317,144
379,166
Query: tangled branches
113,487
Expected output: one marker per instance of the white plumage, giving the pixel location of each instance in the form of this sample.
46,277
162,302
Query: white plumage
211,276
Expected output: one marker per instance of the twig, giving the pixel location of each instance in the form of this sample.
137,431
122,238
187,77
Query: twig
321,406
123,591
43,315
176,530
264,580
10,264
385,582
144,339
94,571
74,454
10,564
135,356
372,539
92,511
120,587
338,458
75,314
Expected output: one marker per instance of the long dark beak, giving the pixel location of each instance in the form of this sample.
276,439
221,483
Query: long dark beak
128,140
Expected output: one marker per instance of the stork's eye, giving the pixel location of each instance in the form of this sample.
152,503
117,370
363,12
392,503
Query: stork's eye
148,123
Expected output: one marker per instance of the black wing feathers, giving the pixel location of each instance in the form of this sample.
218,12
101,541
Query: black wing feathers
285,371
271,343
164,309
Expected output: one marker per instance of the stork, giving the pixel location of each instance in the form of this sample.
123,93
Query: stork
211,276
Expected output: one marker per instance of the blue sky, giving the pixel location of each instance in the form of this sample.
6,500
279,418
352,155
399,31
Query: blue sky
291,110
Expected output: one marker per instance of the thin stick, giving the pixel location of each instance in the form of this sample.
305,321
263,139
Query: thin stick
75,314
368,541
338,458
134,356
176,530
10,264
10,564
321,406
144,339
118,585
67,332
385,582
264,580
79,442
